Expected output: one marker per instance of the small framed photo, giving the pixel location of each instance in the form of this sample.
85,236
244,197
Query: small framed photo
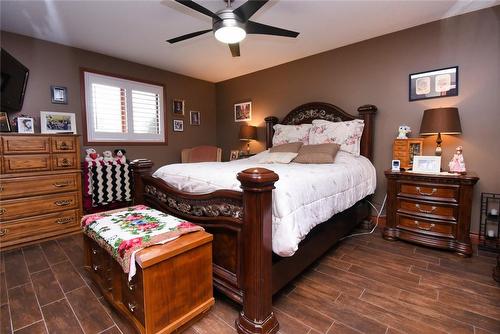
243,112
59,94
178,107
427,164
194,118
178,125
25,125
396,165
57,122
432,84
235,154
4,122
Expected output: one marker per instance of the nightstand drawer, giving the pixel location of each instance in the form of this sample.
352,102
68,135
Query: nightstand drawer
429,191
428,209
424,226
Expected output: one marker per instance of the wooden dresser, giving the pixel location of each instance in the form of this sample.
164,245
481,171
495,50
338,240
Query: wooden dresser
40,187
432,210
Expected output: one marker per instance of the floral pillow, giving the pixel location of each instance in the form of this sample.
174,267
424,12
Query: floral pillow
284,134
346,134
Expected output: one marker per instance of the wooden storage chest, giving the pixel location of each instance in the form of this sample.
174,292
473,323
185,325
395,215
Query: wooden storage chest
40,187
172,286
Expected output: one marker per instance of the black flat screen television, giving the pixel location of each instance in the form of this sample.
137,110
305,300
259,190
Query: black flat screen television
13,83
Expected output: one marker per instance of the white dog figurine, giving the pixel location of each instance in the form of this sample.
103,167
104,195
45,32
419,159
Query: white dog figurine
120,156
403,131
108,156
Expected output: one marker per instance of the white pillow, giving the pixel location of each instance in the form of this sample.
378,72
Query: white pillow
284,134
267,157
346,134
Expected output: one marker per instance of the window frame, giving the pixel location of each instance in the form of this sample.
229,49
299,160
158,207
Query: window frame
163,109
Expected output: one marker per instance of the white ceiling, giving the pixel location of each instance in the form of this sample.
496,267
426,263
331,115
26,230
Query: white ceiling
137,30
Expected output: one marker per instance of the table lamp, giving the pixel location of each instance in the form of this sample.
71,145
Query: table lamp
248,133
440,121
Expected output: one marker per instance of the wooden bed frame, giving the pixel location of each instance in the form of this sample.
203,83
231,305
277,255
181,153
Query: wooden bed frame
244,267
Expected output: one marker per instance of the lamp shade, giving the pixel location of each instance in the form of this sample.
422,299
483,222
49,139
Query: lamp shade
441,120
248,132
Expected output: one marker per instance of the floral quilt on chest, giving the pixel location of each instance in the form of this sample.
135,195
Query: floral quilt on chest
125,231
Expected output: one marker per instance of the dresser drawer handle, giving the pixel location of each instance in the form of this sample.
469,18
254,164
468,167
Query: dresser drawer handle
131,287
61,184
2,211
132,307
94,251
64,146
96,267
433,208
65,220
65,202
417,223
3,231
426,194
65,163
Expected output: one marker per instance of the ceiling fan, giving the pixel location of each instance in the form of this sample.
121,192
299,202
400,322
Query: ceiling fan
231,26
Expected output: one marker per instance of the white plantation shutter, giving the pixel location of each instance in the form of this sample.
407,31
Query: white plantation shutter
123,110
146,109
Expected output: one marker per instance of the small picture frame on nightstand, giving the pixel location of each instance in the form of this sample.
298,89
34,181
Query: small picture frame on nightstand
427,164
396,165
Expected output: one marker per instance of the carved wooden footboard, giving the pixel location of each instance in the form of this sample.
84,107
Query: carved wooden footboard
241,223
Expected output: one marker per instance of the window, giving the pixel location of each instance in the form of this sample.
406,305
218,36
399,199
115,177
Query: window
120,110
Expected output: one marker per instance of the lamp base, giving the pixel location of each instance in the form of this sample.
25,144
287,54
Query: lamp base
438,145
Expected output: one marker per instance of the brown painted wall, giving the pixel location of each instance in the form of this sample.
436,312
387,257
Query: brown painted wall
55,64
376,72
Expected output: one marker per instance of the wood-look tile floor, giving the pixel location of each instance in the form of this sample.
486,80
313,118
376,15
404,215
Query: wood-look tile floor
364,285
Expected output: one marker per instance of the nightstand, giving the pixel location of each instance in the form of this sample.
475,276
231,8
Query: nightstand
431,210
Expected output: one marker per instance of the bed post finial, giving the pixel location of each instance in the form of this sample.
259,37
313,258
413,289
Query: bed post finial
257,316
140,168
367,113
270,122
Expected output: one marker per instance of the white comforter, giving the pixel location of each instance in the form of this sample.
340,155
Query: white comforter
305,195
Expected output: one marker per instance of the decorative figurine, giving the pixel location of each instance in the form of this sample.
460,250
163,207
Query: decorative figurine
108,156
92,155
457,164
403,131
120,156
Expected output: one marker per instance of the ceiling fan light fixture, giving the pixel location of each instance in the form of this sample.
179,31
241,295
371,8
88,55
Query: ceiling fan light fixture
230,35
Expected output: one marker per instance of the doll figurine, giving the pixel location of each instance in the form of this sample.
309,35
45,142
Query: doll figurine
457,164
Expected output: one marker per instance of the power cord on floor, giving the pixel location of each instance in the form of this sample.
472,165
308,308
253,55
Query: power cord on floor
379,213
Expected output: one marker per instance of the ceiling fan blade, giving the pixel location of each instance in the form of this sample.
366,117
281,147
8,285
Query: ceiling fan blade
184,37
249,8
199,8
235,49
264,29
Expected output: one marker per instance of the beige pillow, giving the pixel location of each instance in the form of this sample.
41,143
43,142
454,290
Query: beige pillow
317,154
290,147
275,158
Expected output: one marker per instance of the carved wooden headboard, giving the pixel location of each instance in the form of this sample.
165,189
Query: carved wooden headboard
308,112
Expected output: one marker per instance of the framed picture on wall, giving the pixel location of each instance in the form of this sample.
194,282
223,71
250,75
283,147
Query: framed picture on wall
194,118
235,154
57,122
178,107
59,94
178,125
433,84
243,112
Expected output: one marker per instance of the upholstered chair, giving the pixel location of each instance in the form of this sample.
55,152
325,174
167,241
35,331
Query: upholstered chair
201,154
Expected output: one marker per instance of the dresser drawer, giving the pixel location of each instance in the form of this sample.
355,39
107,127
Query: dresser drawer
26,163
133,295
25,144
425,226
37,205
63,144
64,161
428,209
429,191
32,228
38,185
